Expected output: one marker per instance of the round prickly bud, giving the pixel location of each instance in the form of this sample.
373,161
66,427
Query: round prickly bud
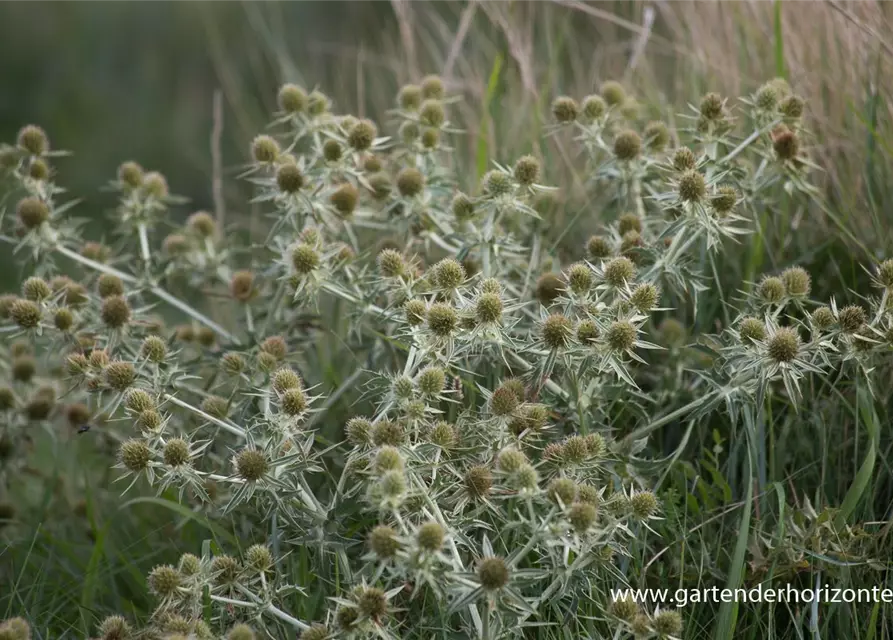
315,632
503,401
41,404
491,285
442,319
711,106
786,144
25,313
767,97
380,184
410,182
35,288
431,380
409,132
115,311
109,285
462,207
415,311
823,318
175,244
443,434
372,602
155,185
176,452
139,400
32,212
251,464
526,478
362,135
627,145
645,297
23,368
510,460
78,414
791,106
579,277
202,223
796,281
242,632
99,358
305,259
387,432
189,564
430,138
275,346
618,271
557,330
621,335
33,139
493,573
225,570
575,450
346,618
233,363
527,170
149,420
153,349
594,107
684,159
344,199
587,332
548,287
772,290
7,401
588,494
258,558
724,200
752,329
641,626
885,273
391,263
164,581
581,516
115,628
488,308
478,481
215,406
449,273
410,97
264,149
383,541
432,87
292,98
613,92
430,536
392,484
668,623
625,608
431,113
599,247
289,178
317,103
358,431
629,222
657,136
293,402
241,285
565,109
643,504
388,459
851,318
119,375
284,379
692,186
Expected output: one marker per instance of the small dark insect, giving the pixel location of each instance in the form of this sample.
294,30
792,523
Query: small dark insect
84,428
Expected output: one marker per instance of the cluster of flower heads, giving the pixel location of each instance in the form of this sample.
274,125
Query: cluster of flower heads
486,476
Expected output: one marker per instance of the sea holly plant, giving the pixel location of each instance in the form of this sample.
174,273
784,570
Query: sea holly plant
501,473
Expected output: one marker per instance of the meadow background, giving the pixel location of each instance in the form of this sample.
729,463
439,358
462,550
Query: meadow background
119,81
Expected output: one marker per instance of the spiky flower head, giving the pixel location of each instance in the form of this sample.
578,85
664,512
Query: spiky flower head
772,290
225,570
115,628
625,609
189,564
109,285
293,402
388,432
643,504
575,450
851,318
478,481
488,308
527,170
149,420
372,602
264,149
496,183
275,346
593,108
684,159
443,434
119,375
752,329
202,224
233,363
251,464
391,263
346,618
791,106
35,288
786,144
587,332
409,132
358,431
712,106
627,145
241,285
548,287
885,273
33,139
641,626
430,536
823,318
449,273
581,516
579,278
692,186
430,138
767,97
629,222
292,98
557,330
410,97
599,247
284,379
668,623
155,185
565,109
176,452
503,401
657,135
362,135
392,484
135,455
645,297
32,212
78,414
289,178
164,581
258,558
510,460
462,207
432,87
796,281
493,573
432,114
588,494
139,400
431,380
215,406
7,398
613,92
305,259
344,199
619,270
383,541
388,459
562,491
724,200
442,319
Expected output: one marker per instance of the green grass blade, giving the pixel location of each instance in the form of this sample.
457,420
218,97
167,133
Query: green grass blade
483,153
779,42
866,469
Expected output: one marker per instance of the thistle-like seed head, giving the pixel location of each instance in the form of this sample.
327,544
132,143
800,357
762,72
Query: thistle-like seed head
684,159
430,138
772,290
625,609
588,494
225,570
851,318
383,541
23,368
488,308
563,491
284,379
149,420
109,285
358,431
215,406
786,144
579,278
410,97
430,536
621,335
259,558
796,281
293,402
388,432
33,139
78,414
668,623
189,564
496,183
242,632
372,602
7,398
115,311
164,581
233,363
432,87
692,186
449,273
32,212
724,200
565,109
115,628
791,106
241,285
432,114
305,259
587,332
645,297
264,149
442,319
593,108
885,273
493,573
175,244
37,289
431,380
289,178
462,207
557,330
155,185
478,481
251,464
138,400
38,169
275,346
641,626
766,97
643,504
712,106
752,329
391,263
548,287
292,98
581,516
599,247
823,318
575,450
613,92
135,455
510,460
392,484
202,224
346,618
176,452
344,199
443,435
619,270
657,135
527,170
388,458
119,375
409,132
362,135
627,145
629,222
